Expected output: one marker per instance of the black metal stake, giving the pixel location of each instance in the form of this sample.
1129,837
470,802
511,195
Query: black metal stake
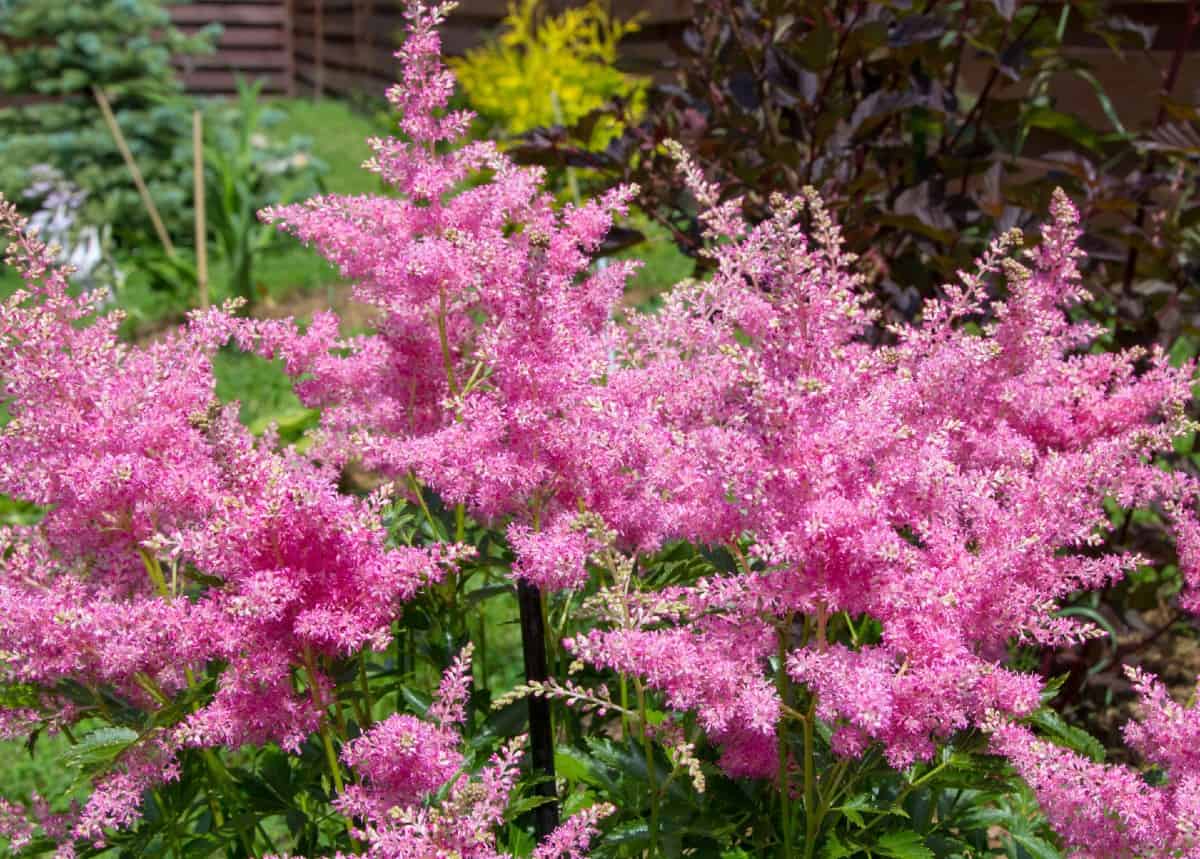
541,730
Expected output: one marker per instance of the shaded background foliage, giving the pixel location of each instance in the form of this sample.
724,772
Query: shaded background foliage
53,55
929,126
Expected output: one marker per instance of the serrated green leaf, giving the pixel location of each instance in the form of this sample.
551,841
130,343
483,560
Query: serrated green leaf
835,849
903,844
1036,847
526,804
99,747
851,808
1060,733
574,765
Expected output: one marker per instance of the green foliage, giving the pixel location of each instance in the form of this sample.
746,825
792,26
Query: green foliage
245,172
551,70
56,51
336,136
263,391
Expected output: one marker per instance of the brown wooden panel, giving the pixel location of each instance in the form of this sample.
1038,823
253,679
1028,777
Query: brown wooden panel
241,58
338,81
343,26
227,13
246,37
289,47
215,81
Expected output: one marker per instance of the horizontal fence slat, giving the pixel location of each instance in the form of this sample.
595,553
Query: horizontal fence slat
241,58
227,13
246,37
337,81
223,82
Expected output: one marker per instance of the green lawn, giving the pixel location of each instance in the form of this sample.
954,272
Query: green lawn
339,138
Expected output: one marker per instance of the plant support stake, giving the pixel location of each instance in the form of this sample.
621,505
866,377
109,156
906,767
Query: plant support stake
143,191
198,193
541,731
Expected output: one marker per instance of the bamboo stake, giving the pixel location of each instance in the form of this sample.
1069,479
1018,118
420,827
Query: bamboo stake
198,193
143,191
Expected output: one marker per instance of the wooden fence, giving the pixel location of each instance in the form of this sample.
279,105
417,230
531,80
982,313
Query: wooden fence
255,42
345,47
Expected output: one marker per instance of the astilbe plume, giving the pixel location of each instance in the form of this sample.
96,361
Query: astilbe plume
948,483
1110,811
944,479
492,337
403,761
150,484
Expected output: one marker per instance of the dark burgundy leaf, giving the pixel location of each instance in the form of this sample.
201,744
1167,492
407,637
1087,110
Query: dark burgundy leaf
914,29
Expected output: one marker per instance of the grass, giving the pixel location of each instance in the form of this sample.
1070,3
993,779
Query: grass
663,264
338,137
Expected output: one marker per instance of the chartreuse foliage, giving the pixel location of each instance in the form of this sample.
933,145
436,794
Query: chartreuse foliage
768,568
551,69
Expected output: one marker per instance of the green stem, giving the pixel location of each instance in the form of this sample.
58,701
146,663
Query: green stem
810,786
909,788
154,569
218,774
785,787
444,341
365,684
335,770
435,525
172,824
651,773
211,762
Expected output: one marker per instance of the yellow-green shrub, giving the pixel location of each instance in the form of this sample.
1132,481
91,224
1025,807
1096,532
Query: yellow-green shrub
546,70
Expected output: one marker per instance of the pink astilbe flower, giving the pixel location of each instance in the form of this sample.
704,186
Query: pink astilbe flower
492,337
570,840
146,478
943,484
15,826
1106,811
463,824
402,761
116,799
704,668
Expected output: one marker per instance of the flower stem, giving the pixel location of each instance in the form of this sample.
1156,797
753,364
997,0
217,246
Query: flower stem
784,689
811,822
335,770
365,684
651,773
